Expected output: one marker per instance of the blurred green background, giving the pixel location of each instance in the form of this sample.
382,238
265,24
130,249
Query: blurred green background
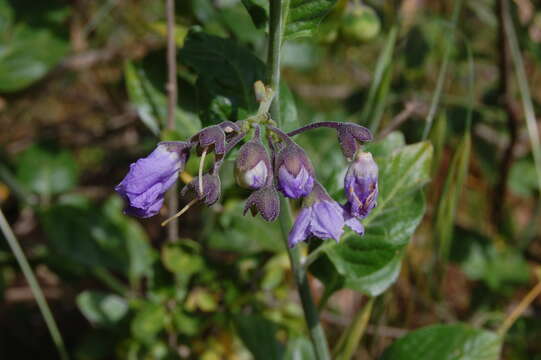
82,95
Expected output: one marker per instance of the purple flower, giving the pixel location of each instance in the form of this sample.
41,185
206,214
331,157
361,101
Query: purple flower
253,166
361,185
149,178
322,217
295,172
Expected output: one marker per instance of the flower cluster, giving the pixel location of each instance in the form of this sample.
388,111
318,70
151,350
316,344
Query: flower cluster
284,168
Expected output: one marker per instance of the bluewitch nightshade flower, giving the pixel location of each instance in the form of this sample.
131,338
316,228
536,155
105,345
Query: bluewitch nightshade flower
149,178
294,171
214,137
361,185
349,136
322,217
264,201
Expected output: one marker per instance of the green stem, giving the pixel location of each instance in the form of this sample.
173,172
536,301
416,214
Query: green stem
321,349
277,9
34,286
350,339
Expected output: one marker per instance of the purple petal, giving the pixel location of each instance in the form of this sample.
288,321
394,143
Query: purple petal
300,230
295,186
327,220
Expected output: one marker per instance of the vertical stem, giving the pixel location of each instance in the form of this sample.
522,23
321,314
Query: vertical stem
311,316
34,287
279,8
506,102
172,195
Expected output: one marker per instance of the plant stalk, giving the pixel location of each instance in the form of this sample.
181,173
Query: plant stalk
34,287
172,195
311,316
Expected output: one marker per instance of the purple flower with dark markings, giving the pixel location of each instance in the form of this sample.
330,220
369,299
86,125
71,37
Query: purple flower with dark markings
295,171
253,166
149,178
322,217
361,185
264,201
211,188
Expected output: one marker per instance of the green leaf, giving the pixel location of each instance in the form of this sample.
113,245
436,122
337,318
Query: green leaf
259,336
151,103
371,263
304,17
446,342
149,320
139,252
179,261
451,192
28,50
243,234
47,172
102,309
224,68
258,10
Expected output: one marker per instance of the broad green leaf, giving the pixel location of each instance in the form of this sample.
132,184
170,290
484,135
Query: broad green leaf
224,68
446,342
451,193
304,17
83,236
47,172
102,309
371,263
259,336
258,10
151,103
28,49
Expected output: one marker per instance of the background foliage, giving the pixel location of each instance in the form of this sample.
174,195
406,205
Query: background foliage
451,249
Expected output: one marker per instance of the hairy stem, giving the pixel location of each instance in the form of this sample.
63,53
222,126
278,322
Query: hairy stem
172,195
329,124
311,316
34,287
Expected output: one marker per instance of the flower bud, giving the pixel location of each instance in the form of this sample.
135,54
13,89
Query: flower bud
149,178
214,137
361,185
295,172
264,201
211,188
349,134
252,166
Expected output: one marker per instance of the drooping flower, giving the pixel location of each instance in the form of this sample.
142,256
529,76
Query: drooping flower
349,136
322,217
264,201
211,188
295,171
214,137
361,185
144,186
253,165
